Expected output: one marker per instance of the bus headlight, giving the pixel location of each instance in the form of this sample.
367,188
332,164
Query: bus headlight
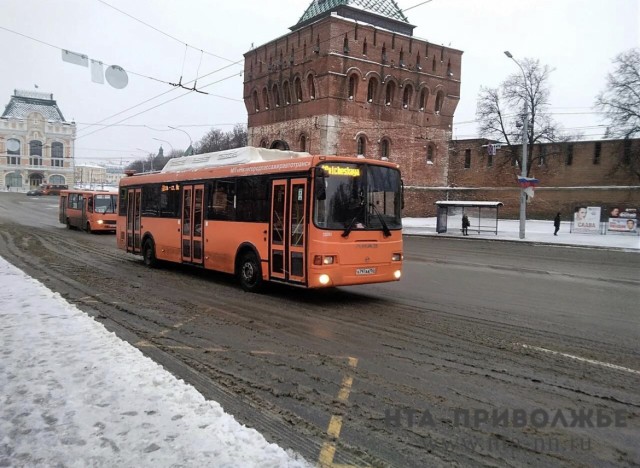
324,260
324,279
397,274
396,257
100,221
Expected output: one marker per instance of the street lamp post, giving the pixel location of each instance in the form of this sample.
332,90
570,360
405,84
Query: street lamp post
165,141
525,145
189,150
149,154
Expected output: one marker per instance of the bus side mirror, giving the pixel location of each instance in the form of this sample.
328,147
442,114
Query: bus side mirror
90,204
319,184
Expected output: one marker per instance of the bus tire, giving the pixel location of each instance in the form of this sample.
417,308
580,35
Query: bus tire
149,254
250,272
88,228
69,224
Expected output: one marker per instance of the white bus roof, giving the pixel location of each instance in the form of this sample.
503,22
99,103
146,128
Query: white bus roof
94,189
244,155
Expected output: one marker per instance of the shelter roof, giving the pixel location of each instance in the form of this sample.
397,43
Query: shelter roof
492,204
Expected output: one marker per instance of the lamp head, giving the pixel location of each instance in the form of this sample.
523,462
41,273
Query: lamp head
508,54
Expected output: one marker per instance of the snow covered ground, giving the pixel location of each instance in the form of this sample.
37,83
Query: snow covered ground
68,404
535,231
64,403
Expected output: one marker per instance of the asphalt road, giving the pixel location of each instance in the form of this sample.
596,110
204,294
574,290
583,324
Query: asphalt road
503,354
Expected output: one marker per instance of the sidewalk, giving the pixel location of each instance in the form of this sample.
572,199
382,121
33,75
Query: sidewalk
74,394
540,232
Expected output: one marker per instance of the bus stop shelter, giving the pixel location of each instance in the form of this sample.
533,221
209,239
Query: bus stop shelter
483,215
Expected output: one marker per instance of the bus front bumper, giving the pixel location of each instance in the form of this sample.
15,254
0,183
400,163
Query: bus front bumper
353,275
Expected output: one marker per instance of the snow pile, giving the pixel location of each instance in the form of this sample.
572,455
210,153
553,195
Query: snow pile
74,394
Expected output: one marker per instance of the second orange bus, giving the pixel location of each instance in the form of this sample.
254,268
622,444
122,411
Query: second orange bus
89,210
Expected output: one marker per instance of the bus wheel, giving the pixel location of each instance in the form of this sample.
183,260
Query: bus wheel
149,254
69,224
88,228
250,273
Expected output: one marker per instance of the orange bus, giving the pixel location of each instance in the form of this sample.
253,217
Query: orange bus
91,210
268,215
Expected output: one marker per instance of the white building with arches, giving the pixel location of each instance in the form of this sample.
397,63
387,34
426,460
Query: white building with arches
36,143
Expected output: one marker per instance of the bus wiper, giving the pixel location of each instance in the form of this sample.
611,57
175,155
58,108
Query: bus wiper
385,228
352,223
349,227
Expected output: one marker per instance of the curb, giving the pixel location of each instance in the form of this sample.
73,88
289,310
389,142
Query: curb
530,242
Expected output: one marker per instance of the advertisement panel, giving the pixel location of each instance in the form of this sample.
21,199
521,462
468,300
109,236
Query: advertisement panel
623,220
586,219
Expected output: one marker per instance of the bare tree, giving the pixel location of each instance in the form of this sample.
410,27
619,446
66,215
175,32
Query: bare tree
154,162
214,140
238,137
217,140
500,112
620,102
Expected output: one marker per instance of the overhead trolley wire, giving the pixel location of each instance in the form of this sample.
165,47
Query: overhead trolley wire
62,49
164,32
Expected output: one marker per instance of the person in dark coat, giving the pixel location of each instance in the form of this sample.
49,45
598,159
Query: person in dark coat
556,224
465,225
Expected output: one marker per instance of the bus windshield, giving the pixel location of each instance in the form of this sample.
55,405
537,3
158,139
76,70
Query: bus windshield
359,197
104,203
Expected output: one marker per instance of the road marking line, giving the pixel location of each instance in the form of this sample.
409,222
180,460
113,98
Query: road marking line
326,454
328,451
176,326
335,424
343,395
578,358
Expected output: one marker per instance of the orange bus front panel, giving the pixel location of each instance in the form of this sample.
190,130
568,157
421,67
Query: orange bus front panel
339,275
363,257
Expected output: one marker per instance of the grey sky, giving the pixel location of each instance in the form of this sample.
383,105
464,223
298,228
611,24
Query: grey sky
577,38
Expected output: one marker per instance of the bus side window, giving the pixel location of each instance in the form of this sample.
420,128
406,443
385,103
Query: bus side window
122,202
90,204
221,204
252,199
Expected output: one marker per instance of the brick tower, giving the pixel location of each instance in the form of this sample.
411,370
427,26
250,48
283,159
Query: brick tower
350,79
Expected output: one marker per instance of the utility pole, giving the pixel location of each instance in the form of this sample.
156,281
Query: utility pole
525,147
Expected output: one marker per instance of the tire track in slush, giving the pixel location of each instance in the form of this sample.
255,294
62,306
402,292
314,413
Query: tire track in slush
290,326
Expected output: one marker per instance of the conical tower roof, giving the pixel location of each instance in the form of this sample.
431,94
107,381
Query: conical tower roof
355,9
388,8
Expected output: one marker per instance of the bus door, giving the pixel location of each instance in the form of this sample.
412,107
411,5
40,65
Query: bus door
86,208
133,221
62,212
288,230
192,223
297,230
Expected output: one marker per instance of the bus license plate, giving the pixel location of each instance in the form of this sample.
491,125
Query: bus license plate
365,271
